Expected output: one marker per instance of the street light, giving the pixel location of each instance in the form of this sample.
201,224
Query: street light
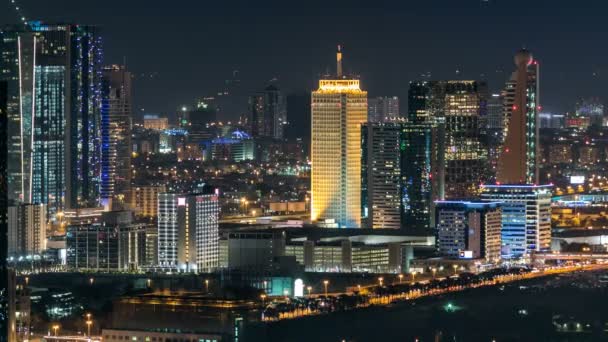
207,285
413,276
263,296
326,282
434,270
89,323
380,280
309,290
400,278
91,280
455,267
56,329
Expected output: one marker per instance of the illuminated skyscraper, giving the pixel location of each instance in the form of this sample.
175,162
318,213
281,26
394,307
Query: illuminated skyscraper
455,109
53,112
381,174
518,161
267,113
339,107
116,134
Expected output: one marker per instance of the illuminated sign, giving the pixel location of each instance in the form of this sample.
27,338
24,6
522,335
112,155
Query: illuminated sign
577,179
466,254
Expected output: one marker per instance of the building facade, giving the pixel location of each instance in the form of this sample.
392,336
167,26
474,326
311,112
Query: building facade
116,135
381,174
469,230
27,225
383,108
518,160
526,217
339,107
144,199
457,109
188,232
267,113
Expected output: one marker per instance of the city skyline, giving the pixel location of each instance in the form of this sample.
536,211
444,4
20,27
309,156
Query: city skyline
386,56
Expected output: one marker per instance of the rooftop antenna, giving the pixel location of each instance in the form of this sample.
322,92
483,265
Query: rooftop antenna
339,62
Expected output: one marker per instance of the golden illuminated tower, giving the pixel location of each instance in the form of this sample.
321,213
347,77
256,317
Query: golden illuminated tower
339,107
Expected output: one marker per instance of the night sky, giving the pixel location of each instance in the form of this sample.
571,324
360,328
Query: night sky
182,50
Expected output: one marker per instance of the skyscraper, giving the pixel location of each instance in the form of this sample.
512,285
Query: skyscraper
518,161
456,109
398,186
419,180
267,113
5,287
188,236
469,230
116,134
383,108
339,107
526,217
381,174
53,112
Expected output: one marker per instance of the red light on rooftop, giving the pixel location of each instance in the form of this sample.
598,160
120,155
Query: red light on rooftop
514,107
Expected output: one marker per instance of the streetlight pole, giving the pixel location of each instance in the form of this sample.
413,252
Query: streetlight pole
400,278
325,282
56,329
455,267
89,323
413,276
380,280
207,285
309,289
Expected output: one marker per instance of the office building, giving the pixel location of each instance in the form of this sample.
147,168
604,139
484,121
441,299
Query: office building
518,160
420,156
200,122
155,122
526,217
116,134
93,247
267,113
469,230
383,108
339,107
238,147
144,200
457,109
188,232
27,227
381,174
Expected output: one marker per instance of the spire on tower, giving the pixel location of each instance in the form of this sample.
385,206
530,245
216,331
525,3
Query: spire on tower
339,62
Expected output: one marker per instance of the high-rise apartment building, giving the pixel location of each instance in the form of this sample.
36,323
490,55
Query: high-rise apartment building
381,174
53,113
188,235
339,107
518,160
456,108
27,227
267,113
526,217
469,230
383,108
116,134
591,108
